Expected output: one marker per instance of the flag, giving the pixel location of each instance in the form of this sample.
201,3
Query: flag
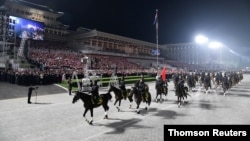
163,73
156,17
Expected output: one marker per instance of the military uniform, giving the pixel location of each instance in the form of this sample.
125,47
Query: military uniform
122,87
30,93
95,92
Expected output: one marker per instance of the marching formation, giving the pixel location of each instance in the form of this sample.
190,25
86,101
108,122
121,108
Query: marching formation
184,85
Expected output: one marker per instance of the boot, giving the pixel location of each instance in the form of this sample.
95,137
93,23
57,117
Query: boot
124,95
96,100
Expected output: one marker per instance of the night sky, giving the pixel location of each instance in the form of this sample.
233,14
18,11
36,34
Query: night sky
227,21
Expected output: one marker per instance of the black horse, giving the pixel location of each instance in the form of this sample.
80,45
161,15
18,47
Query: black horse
225,85
207,83
138,97
160,90
191,82
90,105
181,92
119,95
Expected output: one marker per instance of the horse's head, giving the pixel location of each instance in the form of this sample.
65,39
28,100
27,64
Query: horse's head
133,91
77,96
111,88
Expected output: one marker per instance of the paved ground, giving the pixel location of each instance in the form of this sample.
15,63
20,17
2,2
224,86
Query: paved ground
55,118
10,91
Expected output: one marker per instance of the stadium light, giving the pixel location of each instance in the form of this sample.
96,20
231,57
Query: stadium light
200,39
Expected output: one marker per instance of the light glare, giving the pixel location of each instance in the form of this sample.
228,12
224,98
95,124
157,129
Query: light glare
201,39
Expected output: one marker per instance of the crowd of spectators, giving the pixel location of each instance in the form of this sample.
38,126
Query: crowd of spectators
55,62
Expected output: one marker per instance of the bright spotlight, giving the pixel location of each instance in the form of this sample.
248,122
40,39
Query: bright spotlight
215,45
200,39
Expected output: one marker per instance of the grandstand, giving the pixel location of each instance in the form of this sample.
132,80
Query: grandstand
53,49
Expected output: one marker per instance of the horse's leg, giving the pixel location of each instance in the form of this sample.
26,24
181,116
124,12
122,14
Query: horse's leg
118,108
161,98
156,96
225,91
86,110
106,108
148,101
130,101
116,100
118,104
179,101
138,107
91,113
183,100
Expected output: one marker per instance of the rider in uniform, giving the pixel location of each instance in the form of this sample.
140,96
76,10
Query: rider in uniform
180,88
141,88
122,86
95,91
159,84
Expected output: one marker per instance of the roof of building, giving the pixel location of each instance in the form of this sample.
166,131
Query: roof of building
36,6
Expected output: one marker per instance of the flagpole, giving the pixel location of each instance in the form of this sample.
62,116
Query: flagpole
156,26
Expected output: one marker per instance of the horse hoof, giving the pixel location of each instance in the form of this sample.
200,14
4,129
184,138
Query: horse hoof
91,122
146,108
119,110
105,117
138,112
179,105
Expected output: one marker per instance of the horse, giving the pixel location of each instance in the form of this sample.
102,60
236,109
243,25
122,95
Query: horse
138,97
181,92
161,89
218,78
191,82
225,85
207,83
119,96
89,103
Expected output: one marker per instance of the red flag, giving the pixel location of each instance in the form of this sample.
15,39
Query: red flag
163,73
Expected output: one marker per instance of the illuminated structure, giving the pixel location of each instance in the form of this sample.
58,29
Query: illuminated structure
92,41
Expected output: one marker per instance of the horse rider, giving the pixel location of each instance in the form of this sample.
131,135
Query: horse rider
159,84
180,87
90,83
95,91
207,80
122,86
140,85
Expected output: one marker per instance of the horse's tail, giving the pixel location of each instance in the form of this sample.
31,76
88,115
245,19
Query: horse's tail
149,98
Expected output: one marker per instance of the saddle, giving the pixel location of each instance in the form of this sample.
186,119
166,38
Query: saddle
97,101
165,90
144,96
124,94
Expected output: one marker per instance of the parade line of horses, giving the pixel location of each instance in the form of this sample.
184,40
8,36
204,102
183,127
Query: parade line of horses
184,84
